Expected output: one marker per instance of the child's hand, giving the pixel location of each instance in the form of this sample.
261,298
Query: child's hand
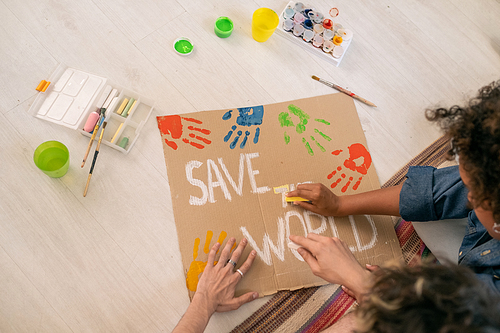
323,201
331,260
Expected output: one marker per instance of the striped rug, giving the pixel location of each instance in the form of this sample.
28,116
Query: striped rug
311,310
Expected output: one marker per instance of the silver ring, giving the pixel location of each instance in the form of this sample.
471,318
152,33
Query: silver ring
231,262
241,273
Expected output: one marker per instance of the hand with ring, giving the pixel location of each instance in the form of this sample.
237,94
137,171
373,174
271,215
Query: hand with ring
215,291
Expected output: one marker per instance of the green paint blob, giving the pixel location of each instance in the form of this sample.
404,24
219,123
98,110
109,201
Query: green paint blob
308,147
301,127
285,120
318,144
298,112
322,121
326,137
183,46
287,138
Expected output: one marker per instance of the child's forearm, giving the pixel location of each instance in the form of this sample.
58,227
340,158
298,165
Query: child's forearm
378,202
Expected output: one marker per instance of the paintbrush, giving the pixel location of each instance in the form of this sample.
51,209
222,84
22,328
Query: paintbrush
345,91
95,158
94,133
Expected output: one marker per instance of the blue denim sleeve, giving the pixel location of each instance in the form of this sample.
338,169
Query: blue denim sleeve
431,194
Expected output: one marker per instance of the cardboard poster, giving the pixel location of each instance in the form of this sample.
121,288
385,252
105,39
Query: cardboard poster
228,171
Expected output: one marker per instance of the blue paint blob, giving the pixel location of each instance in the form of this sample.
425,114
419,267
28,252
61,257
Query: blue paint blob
308,24
257,134
228,135
227,115
244,142
235,141
250,116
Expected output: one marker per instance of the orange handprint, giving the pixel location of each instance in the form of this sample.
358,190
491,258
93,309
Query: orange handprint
357,152
197,267
172,125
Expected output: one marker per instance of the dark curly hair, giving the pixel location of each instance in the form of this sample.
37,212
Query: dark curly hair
428,298
474,131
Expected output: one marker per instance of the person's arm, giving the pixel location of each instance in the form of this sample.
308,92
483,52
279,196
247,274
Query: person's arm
331,260
325,202
215,291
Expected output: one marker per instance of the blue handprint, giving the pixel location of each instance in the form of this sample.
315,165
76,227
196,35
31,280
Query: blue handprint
250,116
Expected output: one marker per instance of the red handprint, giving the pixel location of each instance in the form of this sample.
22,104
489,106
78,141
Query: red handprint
356,152
172,125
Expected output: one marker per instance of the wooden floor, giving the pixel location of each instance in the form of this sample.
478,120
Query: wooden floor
110,262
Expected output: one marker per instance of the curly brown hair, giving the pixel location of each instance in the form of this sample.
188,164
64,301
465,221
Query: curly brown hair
474,131
428,298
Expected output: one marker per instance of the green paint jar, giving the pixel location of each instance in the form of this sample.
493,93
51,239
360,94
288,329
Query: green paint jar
183,46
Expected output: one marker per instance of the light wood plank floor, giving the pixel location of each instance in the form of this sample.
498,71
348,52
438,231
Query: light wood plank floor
110,262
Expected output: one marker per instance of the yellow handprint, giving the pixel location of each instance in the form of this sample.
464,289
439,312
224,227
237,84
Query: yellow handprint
197,267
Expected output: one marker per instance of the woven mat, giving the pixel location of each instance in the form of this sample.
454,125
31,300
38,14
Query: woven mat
311,310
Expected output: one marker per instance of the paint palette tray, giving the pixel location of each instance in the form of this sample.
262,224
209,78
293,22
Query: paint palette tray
74,94
299,40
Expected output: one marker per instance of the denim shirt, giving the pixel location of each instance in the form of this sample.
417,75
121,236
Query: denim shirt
431,194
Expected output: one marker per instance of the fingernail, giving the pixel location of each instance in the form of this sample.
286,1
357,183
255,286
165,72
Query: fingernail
255,295
244,241
253,253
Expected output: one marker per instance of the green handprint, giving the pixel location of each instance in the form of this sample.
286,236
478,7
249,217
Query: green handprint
285,119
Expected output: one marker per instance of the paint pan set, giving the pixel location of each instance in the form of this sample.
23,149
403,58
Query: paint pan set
81,100
314,31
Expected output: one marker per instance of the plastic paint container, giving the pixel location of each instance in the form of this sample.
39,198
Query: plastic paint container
183,46
337,26
298,30
337,51
52,157
299,7
223,27
299,18
346,34
334,12
264,22
308,35
288,13
327,24
318,41
328,34
288,25
308,24
318,28
337,40
318,18
328,46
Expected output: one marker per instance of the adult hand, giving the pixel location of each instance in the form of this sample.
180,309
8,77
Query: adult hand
331,259
323,201
215,291
218,282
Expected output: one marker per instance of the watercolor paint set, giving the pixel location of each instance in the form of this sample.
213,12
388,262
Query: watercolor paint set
77,99
315,31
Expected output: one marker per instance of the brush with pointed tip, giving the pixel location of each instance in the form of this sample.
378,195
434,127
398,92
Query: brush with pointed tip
345,91
95,158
